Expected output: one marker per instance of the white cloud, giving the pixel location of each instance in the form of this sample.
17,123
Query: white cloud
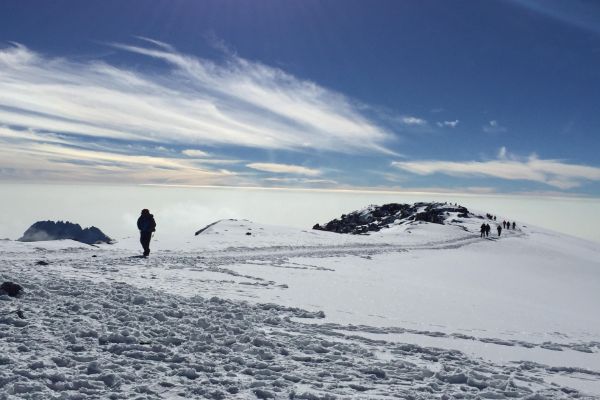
194,153
450,124
158,43
30,155
284,169
194,101
301,181
550,172
408,120
502,153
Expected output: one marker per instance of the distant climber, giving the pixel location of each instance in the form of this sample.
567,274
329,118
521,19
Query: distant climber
514,225
482,230
499,229
488,228
504,224
147,226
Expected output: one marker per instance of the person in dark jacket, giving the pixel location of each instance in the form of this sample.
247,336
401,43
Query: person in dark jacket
482,230
499,229
514,225
147,226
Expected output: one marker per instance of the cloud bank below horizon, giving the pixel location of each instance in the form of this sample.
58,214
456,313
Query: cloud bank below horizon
555,173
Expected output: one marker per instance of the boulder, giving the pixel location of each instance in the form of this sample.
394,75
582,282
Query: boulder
11,289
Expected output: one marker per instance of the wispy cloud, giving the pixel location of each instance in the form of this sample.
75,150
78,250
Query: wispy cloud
502,153
582,14
301,181
410,120
448,124
239,102
194,153
30,155
554,173
284,169
53,110
494,127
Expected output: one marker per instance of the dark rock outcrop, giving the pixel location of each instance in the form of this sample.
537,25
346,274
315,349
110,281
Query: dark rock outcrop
375,218
50,230
11,289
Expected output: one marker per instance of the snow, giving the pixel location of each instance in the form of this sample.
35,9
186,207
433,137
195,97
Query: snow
417,311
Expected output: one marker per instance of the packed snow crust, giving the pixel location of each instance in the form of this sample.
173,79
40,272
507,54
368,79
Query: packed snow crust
415,311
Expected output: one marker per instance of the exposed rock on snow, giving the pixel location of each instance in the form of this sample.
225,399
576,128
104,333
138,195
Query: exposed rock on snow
375,218
50,230
208,226
11,289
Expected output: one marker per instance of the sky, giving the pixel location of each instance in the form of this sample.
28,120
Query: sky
501,96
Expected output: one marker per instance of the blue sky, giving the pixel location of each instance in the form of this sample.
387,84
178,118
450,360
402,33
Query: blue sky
469,96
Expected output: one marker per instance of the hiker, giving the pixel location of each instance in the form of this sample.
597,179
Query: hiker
499,228
504,224
488,228
147,226
514,226
482,230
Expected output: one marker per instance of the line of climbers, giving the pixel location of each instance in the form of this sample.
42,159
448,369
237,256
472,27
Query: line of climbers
485,228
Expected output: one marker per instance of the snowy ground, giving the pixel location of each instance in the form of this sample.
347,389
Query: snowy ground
418,311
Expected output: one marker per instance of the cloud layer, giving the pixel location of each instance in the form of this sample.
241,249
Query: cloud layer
90,120
175,119
448,124
554,173
191,102
493,127
284,169
32,156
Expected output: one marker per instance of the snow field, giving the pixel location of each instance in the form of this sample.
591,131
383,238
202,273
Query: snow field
418,311
81,339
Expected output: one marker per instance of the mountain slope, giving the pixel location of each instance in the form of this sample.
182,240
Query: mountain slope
418,310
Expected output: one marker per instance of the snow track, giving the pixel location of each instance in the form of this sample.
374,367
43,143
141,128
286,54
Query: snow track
233,255
83,339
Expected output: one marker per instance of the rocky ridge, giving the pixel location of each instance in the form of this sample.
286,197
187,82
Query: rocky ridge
375,218
51,230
